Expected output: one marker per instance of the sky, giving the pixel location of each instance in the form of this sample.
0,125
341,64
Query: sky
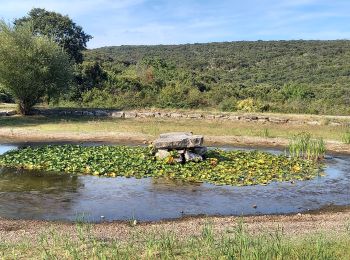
143,22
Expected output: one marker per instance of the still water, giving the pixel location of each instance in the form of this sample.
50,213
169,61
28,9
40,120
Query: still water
48,196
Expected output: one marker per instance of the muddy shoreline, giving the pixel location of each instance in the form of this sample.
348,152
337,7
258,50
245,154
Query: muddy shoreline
22,136
12,231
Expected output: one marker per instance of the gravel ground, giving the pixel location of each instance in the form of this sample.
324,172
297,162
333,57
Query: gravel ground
331,223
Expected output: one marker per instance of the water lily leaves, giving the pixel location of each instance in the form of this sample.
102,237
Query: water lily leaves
237,168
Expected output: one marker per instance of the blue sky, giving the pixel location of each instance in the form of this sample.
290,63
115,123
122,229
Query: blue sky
123,22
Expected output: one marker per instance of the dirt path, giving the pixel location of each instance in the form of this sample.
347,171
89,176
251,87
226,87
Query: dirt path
23,135
334,223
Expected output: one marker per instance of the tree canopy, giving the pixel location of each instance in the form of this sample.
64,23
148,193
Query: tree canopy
31,66
60,28
277,76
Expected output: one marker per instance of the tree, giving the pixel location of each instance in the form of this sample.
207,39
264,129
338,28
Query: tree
60,28
89,75
31,67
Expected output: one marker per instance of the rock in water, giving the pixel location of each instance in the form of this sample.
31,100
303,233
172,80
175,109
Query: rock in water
162,153
192,157
180,140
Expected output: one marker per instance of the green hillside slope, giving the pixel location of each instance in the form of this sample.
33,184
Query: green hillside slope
283,76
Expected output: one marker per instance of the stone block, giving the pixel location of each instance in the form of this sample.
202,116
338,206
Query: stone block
178,141
101,113
192,157
175,115
200,150
118,114
130,115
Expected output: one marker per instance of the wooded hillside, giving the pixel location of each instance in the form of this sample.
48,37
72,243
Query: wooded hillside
285,76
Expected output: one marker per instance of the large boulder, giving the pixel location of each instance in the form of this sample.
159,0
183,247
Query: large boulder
178,140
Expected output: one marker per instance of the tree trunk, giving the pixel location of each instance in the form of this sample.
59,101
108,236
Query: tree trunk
24,108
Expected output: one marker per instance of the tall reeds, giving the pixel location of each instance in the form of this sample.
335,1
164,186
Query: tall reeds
346,137
304,146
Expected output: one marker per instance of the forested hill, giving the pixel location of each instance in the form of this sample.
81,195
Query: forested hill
286,76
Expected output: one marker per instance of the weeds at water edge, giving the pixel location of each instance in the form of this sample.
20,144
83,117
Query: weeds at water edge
303,145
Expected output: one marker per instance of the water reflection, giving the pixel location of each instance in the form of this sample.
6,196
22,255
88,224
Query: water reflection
37,195
13,180
32,194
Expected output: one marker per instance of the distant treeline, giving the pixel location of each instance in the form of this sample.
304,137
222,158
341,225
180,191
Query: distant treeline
277,76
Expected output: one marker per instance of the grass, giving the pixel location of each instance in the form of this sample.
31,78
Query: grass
155,126
6,106
303,145
233,243
346,137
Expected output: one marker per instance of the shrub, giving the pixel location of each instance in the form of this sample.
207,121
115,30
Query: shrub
247,105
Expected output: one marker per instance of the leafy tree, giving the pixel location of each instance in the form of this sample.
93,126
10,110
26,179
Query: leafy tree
31,67
88,75
60,28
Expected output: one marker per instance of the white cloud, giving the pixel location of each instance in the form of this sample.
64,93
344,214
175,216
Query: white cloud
71,7
118,22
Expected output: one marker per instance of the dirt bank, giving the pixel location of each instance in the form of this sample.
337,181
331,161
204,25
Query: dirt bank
335,223
24,135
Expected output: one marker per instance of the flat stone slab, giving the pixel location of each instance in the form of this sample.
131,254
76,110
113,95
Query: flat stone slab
172,134
178,140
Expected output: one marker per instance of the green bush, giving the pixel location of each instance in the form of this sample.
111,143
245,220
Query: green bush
228,104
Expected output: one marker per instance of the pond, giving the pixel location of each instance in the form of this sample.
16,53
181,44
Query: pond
36,195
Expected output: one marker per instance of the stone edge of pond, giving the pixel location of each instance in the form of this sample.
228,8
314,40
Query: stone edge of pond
313,120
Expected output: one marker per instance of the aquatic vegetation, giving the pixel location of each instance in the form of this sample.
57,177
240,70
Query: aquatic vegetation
219,167
303,146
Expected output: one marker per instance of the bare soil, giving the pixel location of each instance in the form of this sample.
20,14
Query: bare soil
333,223
25,135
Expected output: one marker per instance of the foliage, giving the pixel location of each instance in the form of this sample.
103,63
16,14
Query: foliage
60,28
88,76
279,76
247,105
5,97
236,242
302,145
220,167
31,67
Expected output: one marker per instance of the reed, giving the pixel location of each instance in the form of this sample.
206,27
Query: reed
346,137
303,145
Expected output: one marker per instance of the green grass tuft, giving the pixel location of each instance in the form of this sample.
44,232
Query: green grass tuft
303,146
346,137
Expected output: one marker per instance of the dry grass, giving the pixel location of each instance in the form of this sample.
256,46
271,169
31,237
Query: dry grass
320,236
7,106
154,126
